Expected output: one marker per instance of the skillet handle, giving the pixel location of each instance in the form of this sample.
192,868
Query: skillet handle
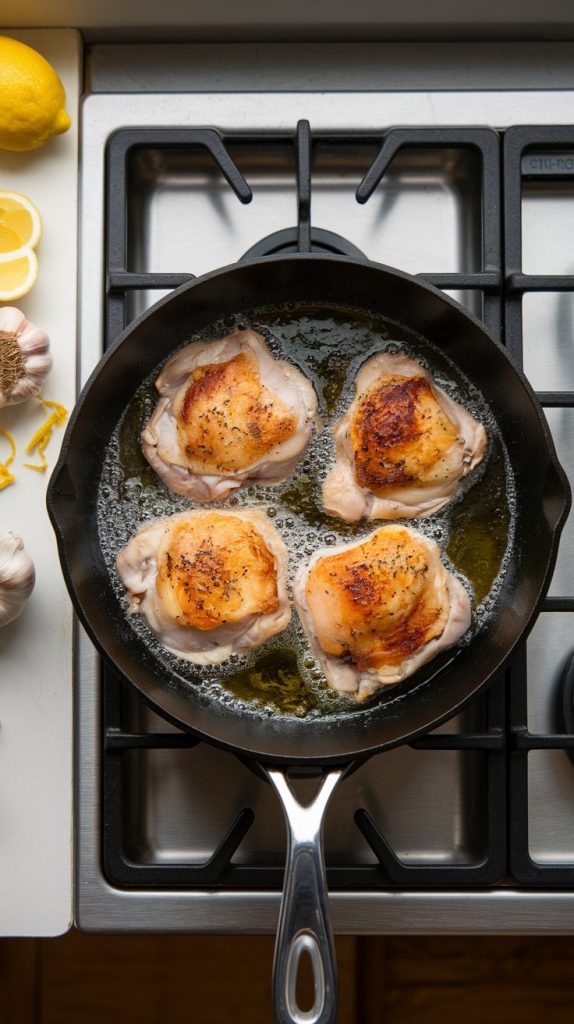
304,924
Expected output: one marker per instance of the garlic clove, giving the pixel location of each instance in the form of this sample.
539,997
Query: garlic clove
36,363
11,319
25,358
33,340
17,577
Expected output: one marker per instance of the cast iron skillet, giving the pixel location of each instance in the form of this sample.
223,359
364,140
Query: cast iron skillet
543,500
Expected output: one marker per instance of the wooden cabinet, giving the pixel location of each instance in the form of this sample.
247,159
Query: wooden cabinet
163,979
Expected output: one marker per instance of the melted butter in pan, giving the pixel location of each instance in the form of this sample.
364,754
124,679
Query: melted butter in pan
328,346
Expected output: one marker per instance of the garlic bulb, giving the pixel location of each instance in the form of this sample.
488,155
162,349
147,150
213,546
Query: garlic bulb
17,577
24,357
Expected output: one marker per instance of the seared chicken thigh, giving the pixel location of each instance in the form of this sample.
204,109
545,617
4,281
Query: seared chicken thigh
402,446
209,583
377,609
229,415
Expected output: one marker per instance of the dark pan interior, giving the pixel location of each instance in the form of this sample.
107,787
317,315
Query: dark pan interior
541,490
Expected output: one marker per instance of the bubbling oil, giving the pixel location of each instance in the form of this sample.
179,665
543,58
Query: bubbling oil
474,530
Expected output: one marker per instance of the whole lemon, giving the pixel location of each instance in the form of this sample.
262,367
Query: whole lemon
32,98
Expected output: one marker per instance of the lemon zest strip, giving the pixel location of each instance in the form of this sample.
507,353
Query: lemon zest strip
43,434
6,477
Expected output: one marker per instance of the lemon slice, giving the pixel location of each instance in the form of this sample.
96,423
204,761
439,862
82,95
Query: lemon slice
20,222
18,271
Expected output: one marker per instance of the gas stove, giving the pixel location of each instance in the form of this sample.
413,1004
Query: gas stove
470,828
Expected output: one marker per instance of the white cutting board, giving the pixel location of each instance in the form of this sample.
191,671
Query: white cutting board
36,650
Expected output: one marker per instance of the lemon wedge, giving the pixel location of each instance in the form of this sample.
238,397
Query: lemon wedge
18,272
20,222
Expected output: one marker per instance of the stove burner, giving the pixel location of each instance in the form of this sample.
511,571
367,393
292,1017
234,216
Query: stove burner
288,241
480,748
494,746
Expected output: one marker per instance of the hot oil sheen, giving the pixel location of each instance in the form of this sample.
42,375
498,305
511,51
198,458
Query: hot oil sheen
329,346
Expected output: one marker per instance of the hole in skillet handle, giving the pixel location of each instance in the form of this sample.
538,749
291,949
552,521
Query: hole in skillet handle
305,943
567,700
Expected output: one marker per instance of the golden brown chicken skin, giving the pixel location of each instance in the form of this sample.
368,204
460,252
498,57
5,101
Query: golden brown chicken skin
399,433
402,446
229,415
216,569
371,604
209,584
228,419
376,609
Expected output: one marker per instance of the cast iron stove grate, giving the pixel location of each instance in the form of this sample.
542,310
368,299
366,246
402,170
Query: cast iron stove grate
534,152
220,870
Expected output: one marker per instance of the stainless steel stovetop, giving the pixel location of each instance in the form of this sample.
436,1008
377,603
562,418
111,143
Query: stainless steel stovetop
425,217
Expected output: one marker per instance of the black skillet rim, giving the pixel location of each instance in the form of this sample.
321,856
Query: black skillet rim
157,696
